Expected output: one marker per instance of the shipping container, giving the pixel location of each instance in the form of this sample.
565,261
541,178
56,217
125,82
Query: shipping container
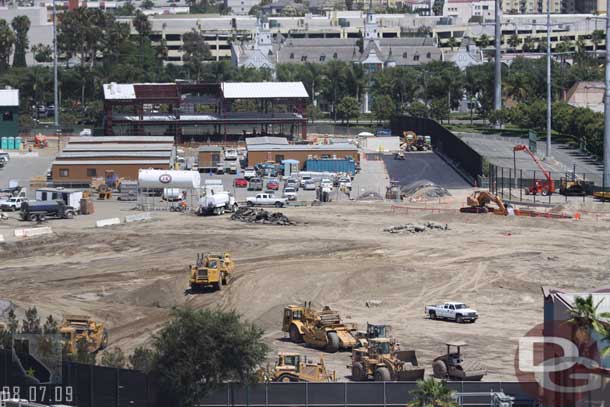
347,166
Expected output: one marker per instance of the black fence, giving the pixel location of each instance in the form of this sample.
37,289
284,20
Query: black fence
544,188
461,155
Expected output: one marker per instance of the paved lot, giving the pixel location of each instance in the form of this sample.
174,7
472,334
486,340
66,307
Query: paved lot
418,166
23,169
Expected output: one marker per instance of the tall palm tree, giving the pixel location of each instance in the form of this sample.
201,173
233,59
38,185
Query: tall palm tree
432,393
583,316
452,42
21,26
484,41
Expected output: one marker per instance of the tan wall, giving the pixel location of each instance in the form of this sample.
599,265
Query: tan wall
121,158
255,157
79,172
206,159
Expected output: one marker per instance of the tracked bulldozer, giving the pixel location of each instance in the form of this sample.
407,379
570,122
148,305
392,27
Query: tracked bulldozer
320,329
383,361
290,367
213,270
453,367
75,328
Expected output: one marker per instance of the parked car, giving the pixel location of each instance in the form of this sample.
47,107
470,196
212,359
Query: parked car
240,183
249,173
345,182
273,185
305,179
12,204
455,311
292,183
266,199
255,184
230,154
220,168
290,193
309,185
326,183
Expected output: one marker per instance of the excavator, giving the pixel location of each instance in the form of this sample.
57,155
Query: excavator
478,203
539,187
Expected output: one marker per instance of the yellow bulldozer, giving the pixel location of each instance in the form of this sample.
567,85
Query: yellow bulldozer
383,360
290,367
75,328
211,270
320,329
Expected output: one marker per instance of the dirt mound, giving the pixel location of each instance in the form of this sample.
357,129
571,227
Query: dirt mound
423,191
251,215
370,196
412,228
162,293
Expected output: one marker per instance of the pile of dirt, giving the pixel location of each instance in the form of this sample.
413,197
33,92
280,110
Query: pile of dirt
423,191
370,196
252,215
412,228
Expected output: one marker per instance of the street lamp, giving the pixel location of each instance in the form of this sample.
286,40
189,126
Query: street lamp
55,90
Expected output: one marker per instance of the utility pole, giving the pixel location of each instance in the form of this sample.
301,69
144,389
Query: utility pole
607,103
548,79
55,90
498,66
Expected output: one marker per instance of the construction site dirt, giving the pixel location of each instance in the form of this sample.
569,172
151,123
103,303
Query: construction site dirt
130,276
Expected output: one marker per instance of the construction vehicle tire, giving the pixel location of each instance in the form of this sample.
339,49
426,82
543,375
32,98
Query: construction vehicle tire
382,374
432,315
31,217
104,343
333,342
41,218
279,204
358,372
69,215
218,285
286,378
439,369
295,335
250,204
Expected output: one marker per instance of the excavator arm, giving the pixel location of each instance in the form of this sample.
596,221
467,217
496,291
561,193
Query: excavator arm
547,174
483,198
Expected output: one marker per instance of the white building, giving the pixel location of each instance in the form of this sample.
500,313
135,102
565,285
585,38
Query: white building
241,7
464,10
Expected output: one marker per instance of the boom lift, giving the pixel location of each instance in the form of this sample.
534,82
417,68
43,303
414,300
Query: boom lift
543,188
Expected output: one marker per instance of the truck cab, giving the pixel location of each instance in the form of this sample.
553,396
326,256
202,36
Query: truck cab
211,270
291,313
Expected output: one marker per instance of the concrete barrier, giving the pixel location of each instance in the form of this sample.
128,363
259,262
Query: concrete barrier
138,217
1,238
33,232
107,222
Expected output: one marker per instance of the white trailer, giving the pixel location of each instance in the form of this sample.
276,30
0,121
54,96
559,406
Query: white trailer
71,197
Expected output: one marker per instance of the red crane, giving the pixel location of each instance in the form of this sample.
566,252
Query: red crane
539,187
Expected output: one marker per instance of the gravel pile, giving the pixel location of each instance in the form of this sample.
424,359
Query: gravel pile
256,215
370,196
423,191
412,228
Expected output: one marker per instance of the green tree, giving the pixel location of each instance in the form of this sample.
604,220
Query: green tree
418,109
148,4
142,359
127,9
196,51
383,107
313,112
50,326
513,42
42,53
498,117
348,108
439,110
452,42
432,393
584,318
31,323
483,41
144,28
81,354
528,44
113,358
597,36
437,7
21,26
7,40
200,349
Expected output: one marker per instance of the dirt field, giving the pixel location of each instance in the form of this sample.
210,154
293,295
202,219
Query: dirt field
338,255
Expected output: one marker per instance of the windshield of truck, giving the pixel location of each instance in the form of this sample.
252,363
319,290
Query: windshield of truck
461,306
383,348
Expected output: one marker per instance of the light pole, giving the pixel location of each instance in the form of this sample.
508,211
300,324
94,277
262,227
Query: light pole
55,90
498,61
549,85
607,103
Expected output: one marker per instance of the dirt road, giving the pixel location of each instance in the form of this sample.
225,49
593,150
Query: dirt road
338,255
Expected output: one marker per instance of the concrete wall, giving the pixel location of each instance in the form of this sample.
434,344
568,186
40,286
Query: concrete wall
381,144
255,157
79,172
9,125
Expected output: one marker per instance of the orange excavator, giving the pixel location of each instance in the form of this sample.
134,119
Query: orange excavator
478,203
540,187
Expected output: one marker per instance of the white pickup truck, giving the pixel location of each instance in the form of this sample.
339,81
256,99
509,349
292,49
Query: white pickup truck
12,204
455,311
266,199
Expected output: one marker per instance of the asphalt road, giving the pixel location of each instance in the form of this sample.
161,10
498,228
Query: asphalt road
419,166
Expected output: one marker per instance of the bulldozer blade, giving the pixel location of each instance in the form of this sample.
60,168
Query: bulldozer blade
346,340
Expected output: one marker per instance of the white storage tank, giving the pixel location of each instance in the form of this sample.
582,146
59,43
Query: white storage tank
168,179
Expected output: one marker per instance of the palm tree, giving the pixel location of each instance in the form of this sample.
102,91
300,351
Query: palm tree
513,41
484,41
432,393
596,39
583,316
452,42
528,44
144,29
21,26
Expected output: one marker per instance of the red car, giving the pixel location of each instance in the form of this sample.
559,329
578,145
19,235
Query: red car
273,185
241,183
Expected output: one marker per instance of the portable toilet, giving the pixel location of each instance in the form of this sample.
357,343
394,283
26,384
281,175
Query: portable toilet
11,143
4,143
17,143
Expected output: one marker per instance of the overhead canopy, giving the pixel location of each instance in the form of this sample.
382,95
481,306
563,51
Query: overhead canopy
119,91
263,90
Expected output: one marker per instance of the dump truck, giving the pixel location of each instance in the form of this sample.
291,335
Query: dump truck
76,328
383,361
291,367
452,366
211,270
320,329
